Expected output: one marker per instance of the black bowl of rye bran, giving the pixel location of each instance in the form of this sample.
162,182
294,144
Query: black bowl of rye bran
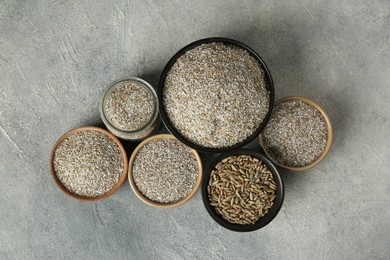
235,80
246,186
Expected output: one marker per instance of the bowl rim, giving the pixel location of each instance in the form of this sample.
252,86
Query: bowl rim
263,221
154,203
228,41
111,137
329,134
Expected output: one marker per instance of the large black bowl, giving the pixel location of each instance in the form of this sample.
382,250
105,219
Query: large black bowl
274,210
164,116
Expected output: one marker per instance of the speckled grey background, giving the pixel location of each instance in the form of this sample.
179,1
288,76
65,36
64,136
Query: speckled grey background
57,56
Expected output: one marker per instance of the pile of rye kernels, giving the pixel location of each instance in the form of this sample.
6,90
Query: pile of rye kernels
241,189
296,134
215,95
165,170
88,163
129,106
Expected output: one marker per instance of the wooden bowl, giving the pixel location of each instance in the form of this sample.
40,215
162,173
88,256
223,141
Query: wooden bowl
73,195
154,203
328,141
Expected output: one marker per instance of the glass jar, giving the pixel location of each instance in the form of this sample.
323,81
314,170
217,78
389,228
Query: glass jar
148,124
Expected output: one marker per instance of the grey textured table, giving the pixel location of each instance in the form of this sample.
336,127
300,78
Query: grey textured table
56,57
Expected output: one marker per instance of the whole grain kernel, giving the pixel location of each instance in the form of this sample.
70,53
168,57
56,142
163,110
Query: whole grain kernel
252,194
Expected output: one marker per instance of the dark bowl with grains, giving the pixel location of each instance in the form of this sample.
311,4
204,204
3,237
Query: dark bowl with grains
215,95
242,190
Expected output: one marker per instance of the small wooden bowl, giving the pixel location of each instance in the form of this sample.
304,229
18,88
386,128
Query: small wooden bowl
78,197
328,141
154,203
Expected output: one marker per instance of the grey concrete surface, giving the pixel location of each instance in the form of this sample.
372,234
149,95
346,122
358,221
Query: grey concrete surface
56,57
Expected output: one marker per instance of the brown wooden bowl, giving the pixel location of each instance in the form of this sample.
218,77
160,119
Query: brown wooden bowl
78,197
154,203
328,141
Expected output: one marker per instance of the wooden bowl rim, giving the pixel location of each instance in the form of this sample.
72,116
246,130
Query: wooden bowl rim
328,141
154,203
110,136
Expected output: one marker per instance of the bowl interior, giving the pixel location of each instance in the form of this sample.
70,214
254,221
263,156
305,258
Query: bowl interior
165,118
328,141
263,220
154,203
81,129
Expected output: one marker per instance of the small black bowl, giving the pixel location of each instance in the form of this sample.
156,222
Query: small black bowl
274,210
171,62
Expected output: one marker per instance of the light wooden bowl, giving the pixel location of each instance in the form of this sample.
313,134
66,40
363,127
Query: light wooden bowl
328,141
73,195
154,203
